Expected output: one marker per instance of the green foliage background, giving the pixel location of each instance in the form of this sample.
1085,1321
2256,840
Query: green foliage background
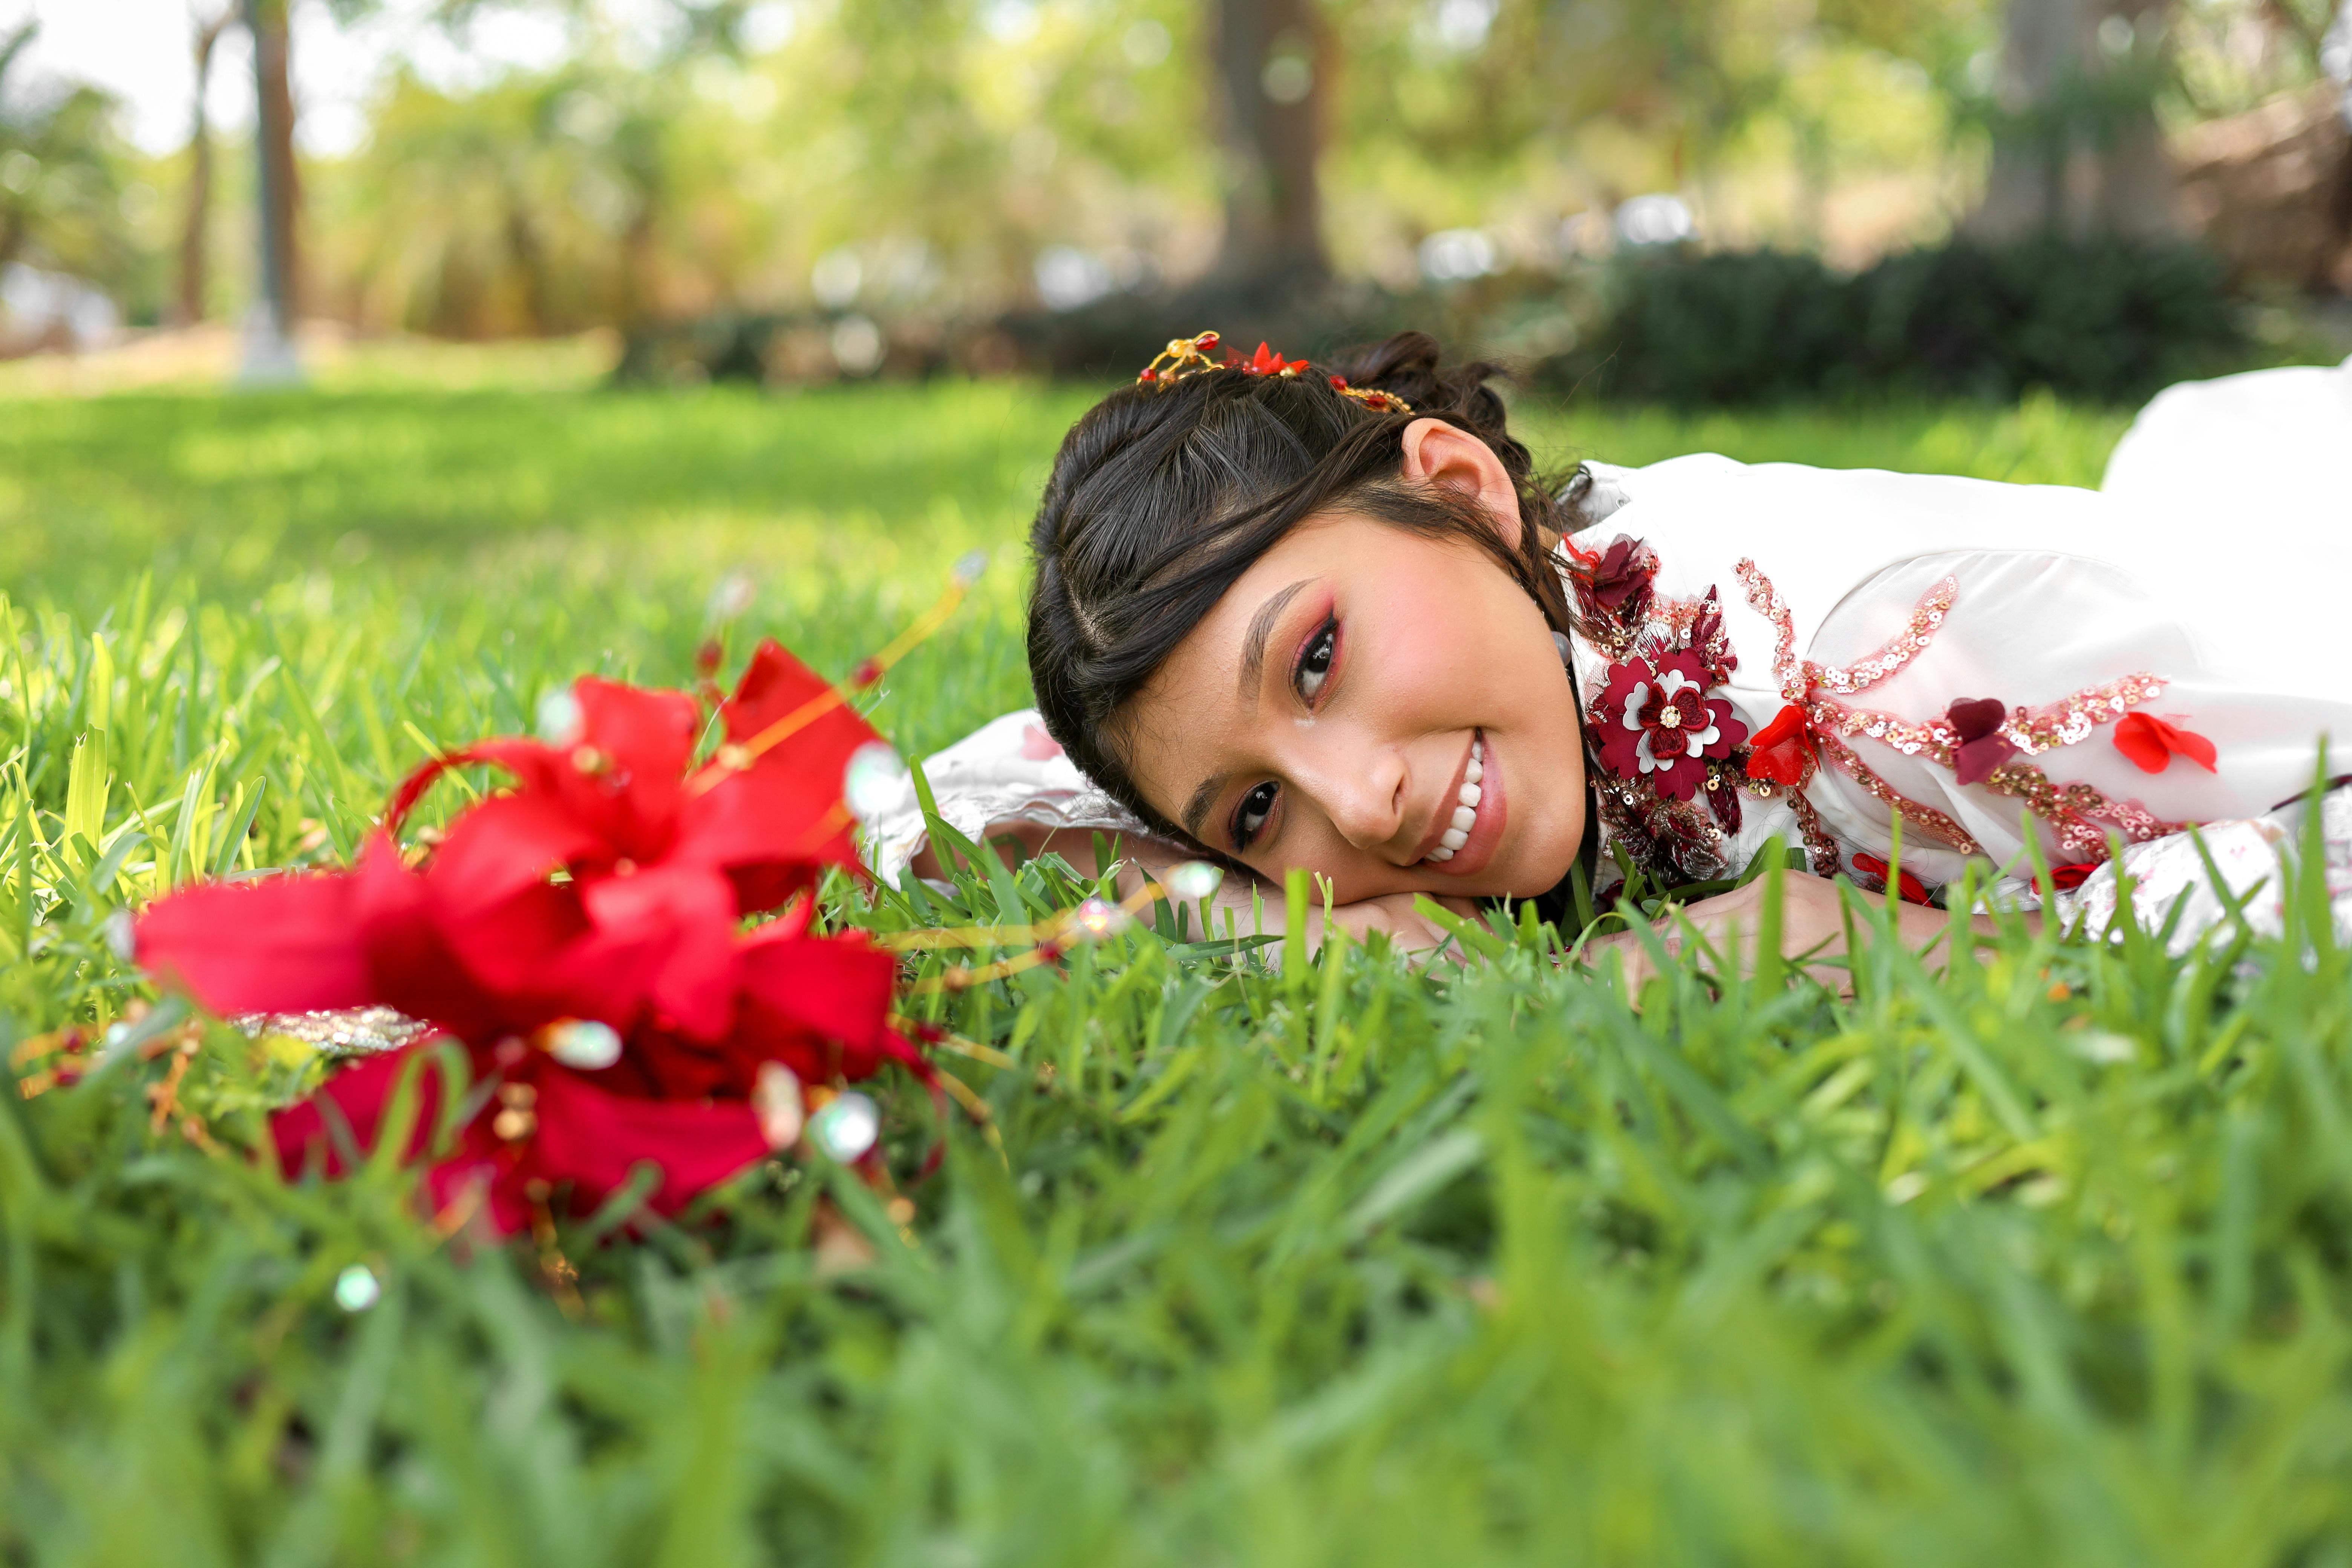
2041,1260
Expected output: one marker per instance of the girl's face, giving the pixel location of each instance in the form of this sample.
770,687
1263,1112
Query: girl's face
1387,711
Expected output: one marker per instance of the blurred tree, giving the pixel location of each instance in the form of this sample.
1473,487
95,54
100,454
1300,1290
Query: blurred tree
188,298
2076,144
528,207
282,190
1275,59
61,184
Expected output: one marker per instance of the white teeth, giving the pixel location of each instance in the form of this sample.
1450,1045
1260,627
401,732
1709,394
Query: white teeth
1465,813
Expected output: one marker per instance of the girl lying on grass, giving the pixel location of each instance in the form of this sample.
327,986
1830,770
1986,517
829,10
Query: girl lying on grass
1328,616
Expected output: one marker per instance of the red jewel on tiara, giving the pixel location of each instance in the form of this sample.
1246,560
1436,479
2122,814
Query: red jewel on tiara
1189,356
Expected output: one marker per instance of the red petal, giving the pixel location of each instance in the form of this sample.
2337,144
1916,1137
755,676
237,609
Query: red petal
1974,761
1730,730
1975,717
508,963
359,1094
504,845
2151,744
411,957
532,765
774,684
282,945
1788,724
840,990
592,1140
642,738
686,914
1783,751
2141,739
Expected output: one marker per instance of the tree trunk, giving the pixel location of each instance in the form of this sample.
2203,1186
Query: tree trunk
2076,148
197,221
2026,189
282,193
1272,59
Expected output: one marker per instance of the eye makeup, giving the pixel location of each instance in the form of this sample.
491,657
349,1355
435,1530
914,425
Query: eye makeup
1316,659
1310,682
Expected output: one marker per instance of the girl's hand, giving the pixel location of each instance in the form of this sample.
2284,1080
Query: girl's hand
1394,914
1811,927
1140,857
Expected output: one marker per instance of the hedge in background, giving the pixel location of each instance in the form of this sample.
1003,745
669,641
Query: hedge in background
2110,320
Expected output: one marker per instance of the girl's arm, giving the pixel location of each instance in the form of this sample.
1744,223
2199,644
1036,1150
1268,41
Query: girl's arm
1246,899
1812,925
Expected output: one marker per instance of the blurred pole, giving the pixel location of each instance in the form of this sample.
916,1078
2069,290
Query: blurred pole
269,357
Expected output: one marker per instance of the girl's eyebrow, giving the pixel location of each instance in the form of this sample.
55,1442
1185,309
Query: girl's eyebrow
1198,806
1260,627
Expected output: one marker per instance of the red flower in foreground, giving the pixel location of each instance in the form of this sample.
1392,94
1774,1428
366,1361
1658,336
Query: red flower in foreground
2151,744
1657,721
581,935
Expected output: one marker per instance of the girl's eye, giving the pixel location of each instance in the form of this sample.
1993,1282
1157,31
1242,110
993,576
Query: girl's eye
1249,817
1315,663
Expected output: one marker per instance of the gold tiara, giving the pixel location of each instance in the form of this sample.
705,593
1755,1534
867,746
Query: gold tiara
1189,356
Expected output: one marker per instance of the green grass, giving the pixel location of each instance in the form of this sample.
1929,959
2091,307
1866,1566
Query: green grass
2044,1261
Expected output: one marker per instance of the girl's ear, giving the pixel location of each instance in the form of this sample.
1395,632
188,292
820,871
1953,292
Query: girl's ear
1441,454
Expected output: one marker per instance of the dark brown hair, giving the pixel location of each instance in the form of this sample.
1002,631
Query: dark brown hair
1161,496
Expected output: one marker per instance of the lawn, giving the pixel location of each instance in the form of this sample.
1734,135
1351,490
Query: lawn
2041,1260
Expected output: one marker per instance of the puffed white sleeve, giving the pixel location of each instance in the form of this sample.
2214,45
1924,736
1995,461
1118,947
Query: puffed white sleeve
1007,771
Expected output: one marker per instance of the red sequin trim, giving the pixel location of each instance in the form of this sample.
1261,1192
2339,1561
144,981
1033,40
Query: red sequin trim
2080,815
1889,660
1927,818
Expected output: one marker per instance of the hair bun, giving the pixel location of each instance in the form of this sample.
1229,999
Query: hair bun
1411,366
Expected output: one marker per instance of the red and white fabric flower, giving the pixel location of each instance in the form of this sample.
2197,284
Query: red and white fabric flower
1657,723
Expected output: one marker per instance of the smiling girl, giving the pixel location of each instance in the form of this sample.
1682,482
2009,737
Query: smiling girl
1329,618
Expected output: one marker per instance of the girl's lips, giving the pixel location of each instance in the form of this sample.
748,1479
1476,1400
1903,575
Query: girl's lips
1486,831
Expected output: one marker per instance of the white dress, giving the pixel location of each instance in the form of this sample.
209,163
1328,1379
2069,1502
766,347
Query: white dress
2100,666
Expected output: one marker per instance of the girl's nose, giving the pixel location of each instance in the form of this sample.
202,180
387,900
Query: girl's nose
1361,790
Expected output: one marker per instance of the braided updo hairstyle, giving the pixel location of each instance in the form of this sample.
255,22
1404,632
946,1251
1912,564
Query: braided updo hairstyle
1163,496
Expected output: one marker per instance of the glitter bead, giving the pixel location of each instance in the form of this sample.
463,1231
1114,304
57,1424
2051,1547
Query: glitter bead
559,718
846,1127
730,598
1194,879
874,781
357,1289
776,1101
583,1044
1097,919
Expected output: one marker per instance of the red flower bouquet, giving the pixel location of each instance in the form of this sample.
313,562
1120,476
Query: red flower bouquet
581,935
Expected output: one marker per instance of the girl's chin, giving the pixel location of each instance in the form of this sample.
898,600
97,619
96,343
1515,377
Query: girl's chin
1530,872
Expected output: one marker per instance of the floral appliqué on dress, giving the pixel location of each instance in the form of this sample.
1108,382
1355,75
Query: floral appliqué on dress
1661,744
